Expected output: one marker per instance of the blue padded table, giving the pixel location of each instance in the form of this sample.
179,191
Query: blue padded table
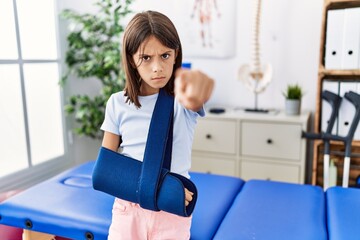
67,205
343,213
215,196
268,210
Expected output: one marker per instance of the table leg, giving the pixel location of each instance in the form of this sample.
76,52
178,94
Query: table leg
31,235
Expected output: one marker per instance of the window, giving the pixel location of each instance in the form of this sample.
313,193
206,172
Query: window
31,116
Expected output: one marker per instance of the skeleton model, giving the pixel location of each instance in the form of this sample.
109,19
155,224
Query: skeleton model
254,76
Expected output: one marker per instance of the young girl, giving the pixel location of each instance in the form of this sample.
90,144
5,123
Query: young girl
152,58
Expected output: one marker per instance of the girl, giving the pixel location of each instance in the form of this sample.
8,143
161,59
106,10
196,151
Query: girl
152,57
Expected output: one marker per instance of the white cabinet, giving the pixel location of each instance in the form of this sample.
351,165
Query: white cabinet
214,137
213,164
271,140
270,171
251,146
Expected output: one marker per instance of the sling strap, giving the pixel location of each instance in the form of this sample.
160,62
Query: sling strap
157,155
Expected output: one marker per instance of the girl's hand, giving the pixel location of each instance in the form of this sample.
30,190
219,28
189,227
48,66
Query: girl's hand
192,88
188,196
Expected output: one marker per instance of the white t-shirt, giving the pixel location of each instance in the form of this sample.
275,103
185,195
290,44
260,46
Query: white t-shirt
132,124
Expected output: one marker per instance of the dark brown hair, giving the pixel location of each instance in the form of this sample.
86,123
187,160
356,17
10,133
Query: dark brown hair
140,28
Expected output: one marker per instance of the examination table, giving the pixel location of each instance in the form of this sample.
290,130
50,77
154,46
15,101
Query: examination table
228,208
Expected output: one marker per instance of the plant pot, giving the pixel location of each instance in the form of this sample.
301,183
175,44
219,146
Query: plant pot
292,107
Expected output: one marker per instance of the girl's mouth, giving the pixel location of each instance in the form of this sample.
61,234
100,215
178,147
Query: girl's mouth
157,78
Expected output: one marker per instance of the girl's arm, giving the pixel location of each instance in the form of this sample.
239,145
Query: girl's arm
111,141
193,88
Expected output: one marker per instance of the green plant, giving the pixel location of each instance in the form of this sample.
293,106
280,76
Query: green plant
94,51
293,92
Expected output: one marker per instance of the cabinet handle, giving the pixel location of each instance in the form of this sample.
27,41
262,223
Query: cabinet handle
269,141
208,136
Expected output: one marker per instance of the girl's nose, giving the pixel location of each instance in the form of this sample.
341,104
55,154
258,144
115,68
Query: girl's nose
157,66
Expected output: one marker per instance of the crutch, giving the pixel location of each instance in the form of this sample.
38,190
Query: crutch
334,100
354,98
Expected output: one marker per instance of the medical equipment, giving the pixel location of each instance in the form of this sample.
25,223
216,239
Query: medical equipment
327,136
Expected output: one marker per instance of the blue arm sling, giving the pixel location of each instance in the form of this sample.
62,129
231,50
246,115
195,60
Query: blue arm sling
149,183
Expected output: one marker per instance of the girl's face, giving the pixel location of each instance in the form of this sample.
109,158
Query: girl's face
155,64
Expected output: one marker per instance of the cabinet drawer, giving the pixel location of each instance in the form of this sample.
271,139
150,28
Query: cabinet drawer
270,171
215,166
215,136
271,140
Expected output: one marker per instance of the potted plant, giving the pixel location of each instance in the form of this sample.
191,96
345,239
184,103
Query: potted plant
293,95
94,51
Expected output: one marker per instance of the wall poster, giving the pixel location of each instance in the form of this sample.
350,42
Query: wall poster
207,28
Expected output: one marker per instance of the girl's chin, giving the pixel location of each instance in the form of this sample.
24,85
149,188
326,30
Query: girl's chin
153,87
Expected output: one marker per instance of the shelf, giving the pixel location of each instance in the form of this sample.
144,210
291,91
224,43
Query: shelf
339,74
352,75
339,4
330,5
336,143
336,154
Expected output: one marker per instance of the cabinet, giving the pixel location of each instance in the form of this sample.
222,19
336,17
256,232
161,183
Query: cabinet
248,145
339,66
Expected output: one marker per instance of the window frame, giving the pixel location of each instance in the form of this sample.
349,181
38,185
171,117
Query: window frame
33,174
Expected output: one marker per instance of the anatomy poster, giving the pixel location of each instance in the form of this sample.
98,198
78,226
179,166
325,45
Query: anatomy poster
206,27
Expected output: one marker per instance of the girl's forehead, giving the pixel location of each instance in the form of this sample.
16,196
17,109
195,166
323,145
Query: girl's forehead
152,45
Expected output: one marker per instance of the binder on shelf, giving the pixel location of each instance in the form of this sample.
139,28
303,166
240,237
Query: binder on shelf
334,39
351,39
347,110
326,109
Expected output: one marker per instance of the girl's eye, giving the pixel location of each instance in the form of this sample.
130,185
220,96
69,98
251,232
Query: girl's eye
146,58
165,56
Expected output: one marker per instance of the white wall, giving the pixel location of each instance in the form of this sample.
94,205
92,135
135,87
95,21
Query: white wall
290,41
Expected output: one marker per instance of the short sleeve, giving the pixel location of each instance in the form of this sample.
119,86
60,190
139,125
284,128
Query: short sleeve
111,121
191,116
201,112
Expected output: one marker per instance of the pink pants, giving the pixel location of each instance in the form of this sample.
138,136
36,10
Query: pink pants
131,222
